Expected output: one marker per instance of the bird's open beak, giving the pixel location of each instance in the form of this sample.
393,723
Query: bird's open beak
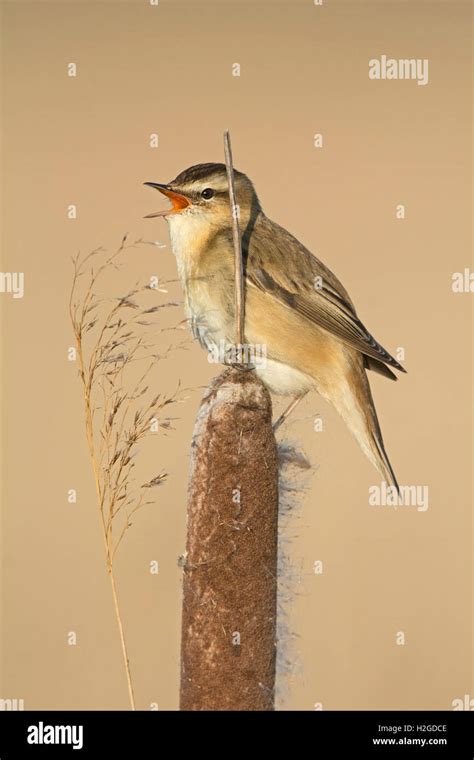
180,202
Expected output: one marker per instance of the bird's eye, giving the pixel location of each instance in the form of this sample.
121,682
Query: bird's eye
207,193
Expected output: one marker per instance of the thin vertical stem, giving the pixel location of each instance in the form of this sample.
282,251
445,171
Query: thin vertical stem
100,500
122,638
238,259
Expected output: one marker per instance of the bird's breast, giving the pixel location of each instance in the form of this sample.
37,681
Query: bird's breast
203,274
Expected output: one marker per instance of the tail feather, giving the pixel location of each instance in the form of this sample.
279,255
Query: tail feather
353,400
384,466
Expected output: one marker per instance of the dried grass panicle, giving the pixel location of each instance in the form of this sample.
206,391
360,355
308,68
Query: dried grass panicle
116,354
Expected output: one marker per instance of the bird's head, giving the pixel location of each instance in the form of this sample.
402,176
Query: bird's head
202,193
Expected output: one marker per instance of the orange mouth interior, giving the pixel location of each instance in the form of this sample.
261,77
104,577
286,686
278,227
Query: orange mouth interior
180,202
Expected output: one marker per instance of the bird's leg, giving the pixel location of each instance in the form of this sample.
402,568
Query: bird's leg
288,411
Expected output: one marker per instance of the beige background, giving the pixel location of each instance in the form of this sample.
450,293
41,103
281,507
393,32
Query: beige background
167,69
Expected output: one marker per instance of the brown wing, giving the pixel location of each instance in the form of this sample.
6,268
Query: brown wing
280,266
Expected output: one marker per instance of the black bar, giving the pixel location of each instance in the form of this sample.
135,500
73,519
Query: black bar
163,734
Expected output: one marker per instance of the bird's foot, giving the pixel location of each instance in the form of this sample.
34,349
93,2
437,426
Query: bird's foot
242,367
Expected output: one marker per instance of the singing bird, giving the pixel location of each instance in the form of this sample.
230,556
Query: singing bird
294,305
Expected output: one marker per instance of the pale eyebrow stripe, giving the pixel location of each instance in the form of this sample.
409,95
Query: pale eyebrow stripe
215,184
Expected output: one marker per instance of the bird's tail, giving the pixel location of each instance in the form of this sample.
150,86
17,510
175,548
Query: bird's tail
356,406
383,463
